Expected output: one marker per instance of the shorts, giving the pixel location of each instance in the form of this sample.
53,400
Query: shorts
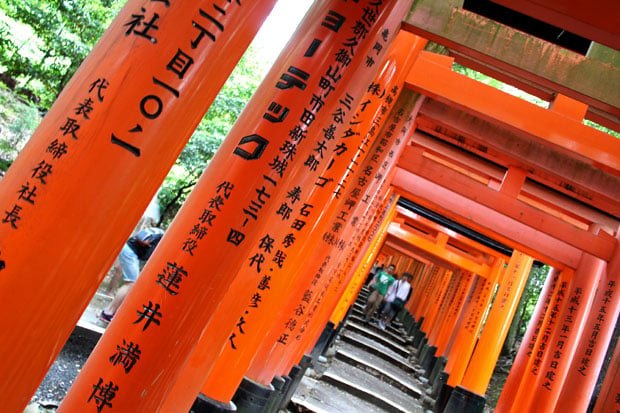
130,264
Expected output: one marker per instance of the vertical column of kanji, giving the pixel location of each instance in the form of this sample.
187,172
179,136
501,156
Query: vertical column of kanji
541,346
231,339
455,309
419,278
327,288
283,354
423,295
357,280
609,397
340,278
442,310
519,366
380,160
437,295
480,368
459,358
317,78
315,273
468,306
567,333
80,185
595,339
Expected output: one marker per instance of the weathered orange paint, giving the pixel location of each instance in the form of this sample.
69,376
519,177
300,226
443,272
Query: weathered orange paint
519,368
147,94
439,81
237,191
480,369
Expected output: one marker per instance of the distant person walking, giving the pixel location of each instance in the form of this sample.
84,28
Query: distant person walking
137,249
382,281
396,298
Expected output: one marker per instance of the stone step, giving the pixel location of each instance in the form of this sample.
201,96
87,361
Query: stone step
403,382
321,397
372,391
388,339
399,337
378,350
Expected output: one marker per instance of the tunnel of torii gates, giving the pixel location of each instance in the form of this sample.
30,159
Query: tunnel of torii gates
361,144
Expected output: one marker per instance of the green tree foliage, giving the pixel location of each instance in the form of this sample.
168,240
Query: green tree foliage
209,135
63,33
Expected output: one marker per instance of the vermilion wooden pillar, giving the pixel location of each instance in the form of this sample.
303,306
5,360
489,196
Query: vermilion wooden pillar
455,309
480,368
423,295
330,291
567,333
437,295
541,341
357,281
378,161
464,316
519,367
466,342
78,188
444,306
586,364
224,221
223,366
590,354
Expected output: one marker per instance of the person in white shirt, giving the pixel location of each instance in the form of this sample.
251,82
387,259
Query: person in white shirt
397,296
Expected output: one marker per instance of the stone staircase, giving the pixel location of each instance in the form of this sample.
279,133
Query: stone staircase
366,369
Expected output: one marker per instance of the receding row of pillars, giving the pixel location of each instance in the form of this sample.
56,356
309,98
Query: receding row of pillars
560,357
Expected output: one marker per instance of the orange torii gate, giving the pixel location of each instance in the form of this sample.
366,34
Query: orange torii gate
541,229
505,204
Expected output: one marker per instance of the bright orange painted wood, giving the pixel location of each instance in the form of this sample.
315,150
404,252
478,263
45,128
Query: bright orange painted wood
225,368
567,334
593,344
458,362
439,292
485,219
524,392
79,187
443,310
519,367
480,369
318,255
454,310
456,338
551,128
505,203
174,298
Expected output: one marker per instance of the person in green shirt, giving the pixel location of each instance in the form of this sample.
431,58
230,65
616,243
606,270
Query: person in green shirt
382,281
